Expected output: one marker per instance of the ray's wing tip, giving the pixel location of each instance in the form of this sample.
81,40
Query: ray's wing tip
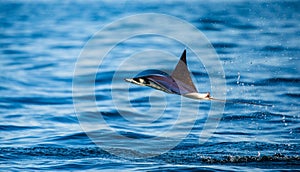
184,52
183,56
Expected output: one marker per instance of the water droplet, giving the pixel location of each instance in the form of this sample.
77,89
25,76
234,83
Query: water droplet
238,79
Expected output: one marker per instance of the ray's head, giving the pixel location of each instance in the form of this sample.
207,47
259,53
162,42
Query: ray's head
138,80
142,78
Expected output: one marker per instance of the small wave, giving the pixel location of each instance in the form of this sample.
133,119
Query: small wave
42,66
243,159
279,81
224,45
14,127
65,47
250,116
273,48
12,51
135,135
73,152
80,135
63,119
211,21
292,95
39,100
54,152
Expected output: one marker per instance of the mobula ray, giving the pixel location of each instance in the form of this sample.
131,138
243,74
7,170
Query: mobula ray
179,82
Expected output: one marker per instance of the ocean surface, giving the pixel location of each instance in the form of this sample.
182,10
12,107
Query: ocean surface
41,128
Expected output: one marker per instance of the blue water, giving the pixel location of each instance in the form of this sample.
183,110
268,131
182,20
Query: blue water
257,43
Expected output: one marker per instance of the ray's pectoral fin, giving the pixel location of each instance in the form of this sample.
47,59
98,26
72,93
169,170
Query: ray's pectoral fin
181,75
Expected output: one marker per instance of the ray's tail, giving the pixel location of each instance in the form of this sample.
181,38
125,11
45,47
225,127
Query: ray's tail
240,102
